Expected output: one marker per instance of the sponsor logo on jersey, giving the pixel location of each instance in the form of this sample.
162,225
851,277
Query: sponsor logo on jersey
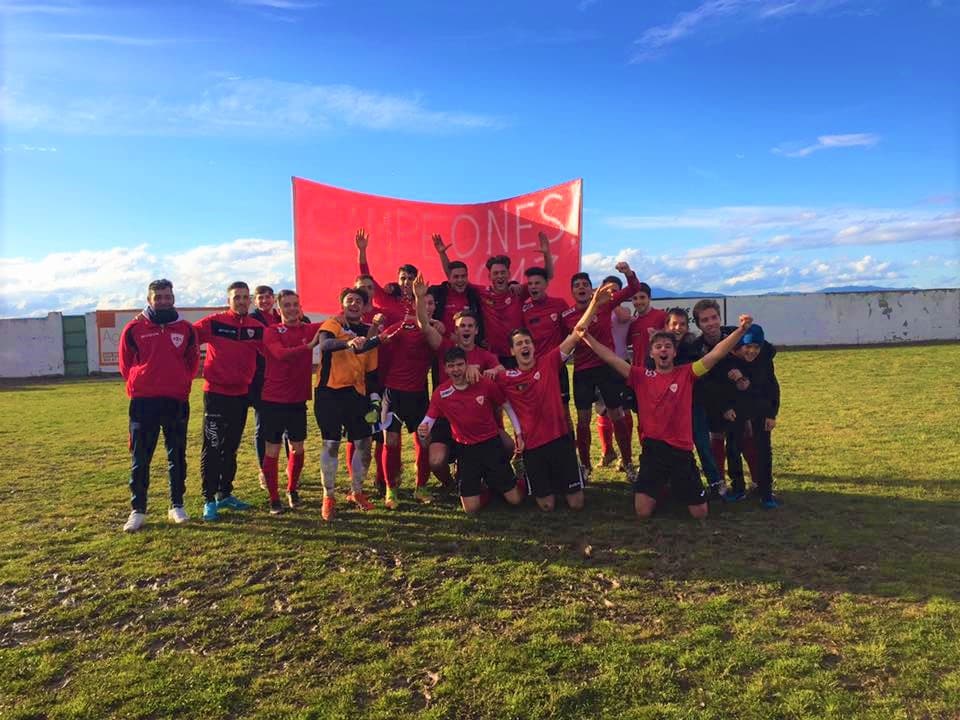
568,311
650,373
282,329
512,373
177,339
527,306
508,301
448,392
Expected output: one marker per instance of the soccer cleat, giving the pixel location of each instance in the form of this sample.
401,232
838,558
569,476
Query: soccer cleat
276,507
733,496
263,481
586,472
391,501
232,503
135,521
609,458
329,508
360,500
210,512
771,503
422,495
293,499
631,472
177,515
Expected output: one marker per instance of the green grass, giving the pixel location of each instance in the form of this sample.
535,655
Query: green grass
845,603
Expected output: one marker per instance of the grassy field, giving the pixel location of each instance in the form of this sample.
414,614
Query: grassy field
845,603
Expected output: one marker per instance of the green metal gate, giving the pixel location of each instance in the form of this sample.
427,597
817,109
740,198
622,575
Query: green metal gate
75,346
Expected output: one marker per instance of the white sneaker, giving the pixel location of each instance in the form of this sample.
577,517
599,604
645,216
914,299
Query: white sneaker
135,521
177,515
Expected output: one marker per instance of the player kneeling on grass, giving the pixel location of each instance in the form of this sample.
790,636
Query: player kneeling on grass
664,397
471,409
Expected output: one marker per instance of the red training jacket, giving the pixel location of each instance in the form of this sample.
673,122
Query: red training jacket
233,342
159,360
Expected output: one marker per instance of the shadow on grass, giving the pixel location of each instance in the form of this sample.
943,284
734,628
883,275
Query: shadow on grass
825,541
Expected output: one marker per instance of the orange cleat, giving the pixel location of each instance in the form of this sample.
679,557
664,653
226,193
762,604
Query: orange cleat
360,499
329,508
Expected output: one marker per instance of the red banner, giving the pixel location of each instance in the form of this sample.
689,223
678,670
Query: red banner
325,220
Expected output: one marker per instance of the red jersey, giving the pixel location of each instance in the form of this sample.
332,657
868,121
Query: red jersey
639,333
289,368
477,356
543,319
664,403
233,342
456,301
502,314
601,327
471,411
394,308
159,360
535,397
268,319
409,357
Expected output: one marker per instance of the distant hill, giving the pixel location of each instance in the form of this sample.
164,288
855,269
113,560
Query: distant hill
861,288
660,293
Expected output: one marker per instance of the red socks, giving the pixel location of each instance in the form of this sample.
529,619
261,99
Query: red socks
391,465
378,460
605,432
624,432
270,473
349,455
583,443
294,468
423,462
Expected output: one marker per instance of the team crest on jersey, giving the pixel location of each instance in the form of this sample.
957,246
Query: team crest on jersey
553,316
447,393
251,332
176,339
650,373
673,388
480,399
536,375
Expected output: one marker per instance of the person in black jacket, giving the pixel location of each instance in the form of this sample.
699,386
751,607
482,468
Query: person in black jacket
756,403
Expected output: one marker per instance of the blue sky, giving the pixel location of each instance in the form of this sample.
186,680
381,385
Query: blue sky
740,146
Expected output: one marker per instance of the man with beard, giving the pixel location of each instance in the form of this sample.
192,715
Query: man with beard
397,303
159,356
266,312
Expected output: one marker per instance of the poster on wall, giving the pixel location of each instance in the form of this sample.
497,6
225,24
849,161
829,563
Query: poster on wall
110,324
326,220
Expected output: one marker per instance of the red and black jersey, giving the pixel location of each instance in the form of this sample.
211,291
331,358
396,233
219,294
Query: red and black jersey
640,332
601,327
502,314
289,370
233,342
408,357
394,307
471,411
159,360
535,397
543,319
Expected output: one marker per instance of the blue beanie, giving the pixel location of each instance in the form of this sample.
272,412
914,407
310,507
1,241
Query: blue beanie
751,336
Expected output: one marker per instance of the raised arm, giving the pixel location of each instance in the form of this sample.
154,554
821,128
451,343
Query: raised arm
601,297
604,353
633,285
433,336
442,252
723,348
547,255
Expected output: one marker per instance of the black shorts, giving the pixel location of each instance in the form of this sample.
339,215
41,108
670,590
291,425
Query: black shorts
341,412
279,418
482,464
629,398
553,469
564,384
604,379
662,464
441,433
408,408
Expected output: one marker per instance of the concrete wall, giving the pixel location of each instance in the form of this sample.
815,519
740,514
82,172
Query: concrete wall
853,318
31,347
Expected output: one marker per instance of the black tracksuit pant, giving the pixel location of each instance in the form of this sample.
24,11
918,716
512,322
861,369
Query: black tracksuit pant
148,416
224,418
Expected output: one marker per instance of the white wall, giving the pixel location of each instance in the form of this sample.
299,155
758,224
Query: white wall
31,347
853,318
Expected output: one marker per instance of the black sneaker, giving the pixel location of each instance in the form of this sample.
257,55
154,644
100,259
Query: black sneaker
293,499
275,507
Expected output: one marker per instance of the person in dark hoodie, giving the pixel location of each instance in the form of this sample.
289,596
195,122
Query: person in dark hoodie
756,403
159,356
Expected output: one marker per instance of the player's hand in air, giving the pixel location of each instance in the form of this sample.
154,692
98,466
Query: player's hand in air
362,239
438,243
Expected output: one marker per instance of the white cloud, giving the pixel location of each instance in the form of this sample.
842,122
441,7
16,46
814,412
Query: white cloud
29,148
83,280
18,7
710,12
280,4
241,106
827,142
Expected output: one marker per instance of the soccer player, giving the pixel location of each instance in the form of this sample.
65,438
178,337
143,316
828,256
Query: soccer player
405,396
756,404
159,356
646,321
500,302
233,340
545,441
341,404
265,311
712,397
471,411
288,348
441,439
664,396
395,306
456,293
620,320
590,373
